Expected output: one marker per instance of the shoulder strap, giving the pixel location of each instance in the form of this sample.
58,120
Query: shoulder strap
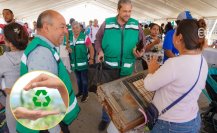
180,98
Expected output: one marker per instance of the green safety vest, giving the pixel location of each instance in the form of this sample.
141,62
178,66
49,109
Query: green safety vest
73,109
78,57
69,27
118,44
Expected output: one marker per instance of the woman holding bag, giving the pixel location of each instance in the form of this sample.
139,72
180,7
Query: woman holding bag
185,74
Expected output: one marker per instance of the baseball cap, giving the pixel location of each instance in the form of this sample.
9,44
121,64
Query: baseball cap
184,15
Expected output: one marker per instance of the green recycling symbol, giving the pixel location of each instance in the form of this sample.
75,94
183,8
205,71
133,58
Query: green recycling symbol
38,103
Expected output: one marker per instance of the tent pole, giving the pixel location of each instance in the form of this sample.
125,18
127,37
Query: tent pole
211,31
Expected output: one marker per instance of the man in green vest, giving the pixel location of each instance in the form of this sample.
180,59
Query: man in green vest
69,27
116,44
41,54
79,43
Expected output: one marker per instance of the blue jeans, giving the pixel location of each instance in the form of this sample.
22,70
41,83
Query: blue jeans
82,81
105,116
192,126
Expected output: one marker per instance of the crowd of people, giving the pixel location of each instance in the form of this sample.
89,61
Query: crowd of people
114,42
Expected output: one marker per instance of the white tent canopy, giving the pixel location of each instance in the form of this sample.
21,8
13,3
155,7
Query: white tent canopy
142,9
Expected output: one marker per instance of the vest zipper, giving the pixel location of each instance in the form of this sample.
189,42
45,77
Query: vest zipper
75,55
122,45
74,52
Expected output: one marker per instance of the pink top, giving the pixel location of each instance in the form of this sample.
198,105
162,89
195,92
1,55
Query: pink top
172,80
87,41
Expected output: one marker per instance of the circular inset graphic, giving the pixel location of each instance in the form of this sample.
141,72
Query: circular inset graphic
39,100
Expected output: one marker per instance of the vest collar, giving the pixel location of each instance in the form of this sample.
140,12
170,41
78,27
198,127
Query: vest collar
46,40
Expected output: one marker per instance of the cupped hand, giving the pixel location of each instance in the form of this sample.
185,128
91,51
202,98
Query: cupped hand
153,65
24,113
44,80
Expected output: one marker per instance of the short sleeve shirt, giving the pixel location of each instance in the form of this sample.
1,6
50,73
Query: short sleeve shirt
41,58
168,44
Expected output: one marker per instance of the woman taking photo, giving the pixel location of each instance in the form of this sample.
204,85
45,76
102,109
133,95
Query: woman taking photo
176,77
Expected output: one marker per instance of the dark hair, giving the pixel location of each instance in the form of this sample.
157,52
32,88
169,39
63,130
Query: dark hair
17,35
153,24
178,22
190,29
168,27
120,2
71,20
150,25
8,10
202,23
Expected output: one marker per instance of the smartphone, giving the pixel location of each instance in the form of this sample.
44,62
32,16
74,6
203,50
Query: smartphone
139,46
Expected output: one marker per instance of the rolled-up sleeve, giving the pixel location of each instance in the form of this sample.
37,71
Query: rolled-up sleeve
142,36
99,36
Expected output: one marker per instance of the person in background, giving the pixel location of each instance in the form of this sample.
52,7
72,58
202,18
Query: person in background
94,29
8,16
153,39
82,28
79,59
16,38
214,44
87,30
34,31
116,44
29,30
69,26
176,77
141,25
168,27
168,46
162,31
146,30
153,43
69,33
